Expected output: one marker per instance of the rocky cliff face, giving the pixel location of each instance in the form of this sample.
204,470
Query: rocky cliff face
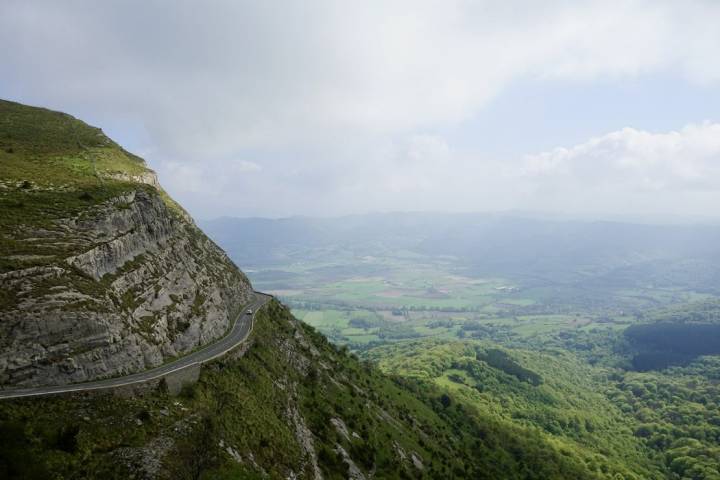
101,273
287,405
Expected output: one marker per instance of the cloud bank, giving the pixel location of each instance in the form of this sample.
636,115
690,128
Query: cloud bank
326,107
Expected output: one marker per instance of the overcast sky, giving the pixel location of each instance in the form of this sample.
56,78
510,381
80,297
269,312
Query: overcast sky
308,107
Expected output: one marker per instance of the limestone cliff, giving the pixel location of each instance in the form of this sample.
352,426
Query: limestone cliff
101,273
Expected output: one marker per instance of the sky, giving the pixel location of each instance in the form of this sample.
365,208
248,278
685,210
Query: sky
321,108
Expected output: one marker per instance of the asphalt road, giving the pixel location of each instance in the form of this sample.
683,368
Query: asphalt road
240,331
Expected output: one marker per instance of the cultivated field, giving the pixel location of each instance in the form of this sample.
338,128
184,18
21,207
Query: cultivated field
366,301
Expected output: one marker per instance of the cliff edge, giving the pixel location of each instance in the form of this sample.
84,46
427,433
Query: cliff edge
101,273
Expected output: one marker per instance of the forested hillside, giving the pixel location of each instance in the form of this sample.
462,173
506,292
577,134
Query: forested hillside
582,389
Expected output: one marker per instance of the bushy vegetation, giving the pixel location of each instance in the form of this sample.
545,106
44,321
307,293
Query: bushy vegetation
675,413
558,397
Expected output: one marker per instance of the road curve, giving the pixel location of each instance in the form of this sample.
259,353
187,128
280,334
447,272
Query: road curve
241,329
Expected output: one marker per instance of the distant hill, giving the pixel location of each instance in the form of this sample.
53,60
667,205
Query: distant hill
530,250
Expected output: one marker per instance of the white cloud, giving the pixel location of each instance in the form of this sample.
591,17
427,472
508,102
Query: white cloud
688,159
244,166
632,170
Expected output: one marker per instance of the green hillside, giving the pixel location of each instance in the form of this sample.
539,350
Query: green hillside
579,392
292,400
557,396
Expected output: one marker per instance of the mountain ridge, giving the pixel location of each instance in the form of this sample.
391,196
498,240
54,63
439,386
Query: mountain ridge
103,274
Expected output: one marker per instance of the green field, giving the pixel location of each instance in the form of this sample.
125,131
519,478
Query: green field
372,300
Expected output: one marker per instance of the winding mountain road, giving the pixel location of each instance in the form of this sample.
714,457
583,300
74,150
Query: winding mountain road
240,331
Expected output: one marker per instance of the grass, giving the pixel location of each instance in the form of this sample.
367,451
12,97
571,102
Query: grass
52,151
378,325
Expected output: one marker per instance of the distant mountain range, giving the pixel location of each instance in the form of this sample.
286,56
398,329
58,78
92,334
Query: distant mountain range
524,248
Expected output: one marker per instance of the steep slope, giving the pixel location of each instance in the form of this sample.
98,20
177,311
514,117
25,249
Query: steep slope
290,405
101,272
558,395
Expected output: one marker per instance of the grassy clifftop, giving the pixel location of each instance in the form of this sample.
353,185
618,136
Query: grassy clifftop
54,166
54,149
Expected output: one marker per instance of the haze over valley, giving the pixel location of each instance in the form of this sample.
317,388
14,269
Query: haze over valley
379,240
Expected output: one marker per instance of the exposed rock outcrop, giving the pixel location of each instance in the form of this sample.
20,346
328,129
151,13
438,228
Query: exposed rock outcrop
150,286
